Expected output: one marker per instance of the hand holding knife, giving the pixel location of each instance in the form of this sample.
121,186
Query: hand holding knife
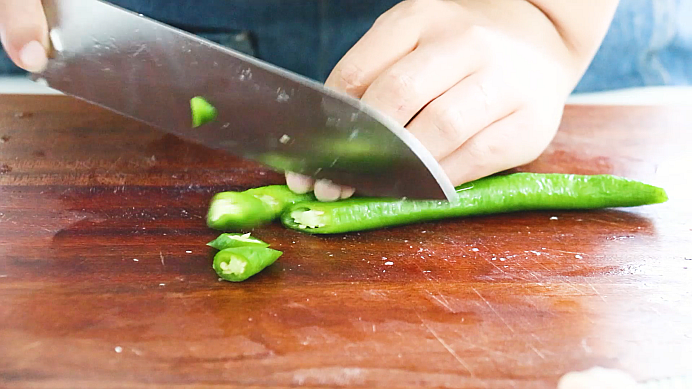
149,71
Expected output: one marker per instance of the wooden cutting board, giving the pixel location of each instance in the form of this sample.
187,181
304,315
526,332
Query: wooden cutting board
105,280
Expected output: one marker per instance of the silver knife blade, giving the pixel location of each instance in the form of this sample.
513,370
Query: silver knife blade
149,71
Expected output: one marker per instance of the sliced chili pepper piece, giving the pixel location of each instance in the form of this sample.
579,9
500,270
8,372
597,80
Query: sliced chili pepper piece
230,211
237,264
226,241
202,111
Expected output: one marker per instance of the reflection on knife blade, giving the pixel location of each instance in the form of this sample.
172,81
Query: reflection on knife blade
149,71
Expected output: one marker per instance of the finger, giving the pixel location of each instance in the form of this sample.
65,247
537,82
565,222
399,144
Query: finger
326,190
24,33
299,183
426,73
347,192
464,110
387,41
513,141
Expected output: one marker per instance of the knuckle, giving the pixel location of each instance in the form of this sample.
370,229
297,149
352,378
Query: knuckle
384,18
350,77
398,90
402,83
394,93
448,122
483,152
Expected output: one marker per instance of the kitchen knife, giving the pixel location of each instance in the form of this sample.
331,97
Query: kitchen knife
149,71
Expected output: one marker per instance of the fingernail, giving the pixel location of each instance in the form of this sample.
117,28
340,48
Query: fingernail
325,190
347,192
33,57
299,183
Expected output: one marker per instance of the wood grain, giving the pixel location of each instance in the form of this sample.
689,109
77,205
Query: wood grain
105,280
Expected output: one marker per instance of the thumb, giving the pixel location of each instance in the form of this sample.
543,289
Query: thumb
24,33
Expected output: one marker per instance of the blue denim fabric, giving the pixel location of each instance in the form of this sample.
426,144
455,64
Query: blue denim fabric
307,37
649,42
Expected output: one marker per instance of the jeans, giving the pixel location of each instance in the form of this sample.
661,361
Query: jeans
649,42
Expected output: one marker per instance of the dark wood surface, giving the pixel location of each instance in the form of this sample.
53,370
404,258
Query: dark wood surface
105,280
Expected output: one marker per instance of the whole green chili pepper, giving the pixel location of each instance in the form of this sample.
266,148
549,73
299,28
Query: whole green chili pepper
237,264
251,208
226,241
496,194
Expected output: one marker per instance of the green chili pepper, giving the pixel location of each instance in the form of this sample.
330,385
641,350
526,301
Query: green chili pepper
497,194
237,264
352,153
202,111
284,162
226,241
251,208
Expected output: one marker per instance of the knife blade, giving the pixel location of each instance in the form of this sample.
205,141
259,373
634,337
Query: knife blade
149,71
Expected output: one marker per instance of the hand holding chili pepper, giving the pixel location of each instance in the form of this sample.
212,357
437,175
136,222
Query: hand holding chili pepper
482,84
